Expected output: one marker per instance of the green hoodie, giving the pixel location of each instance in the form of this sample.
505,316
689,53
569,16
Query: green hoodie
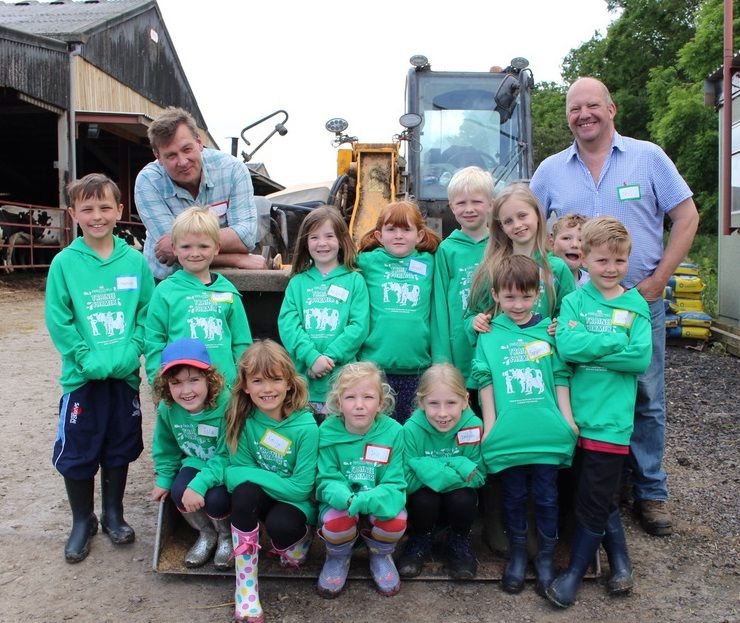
184,439
400,291
524,368
324,315
95,311
609,343
280,457
443,461
184,307
563,283
454,265
377,487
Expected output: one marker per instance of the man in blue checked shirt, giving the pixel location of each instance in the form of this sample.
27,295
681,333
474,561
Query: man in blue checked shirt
604,173
185,174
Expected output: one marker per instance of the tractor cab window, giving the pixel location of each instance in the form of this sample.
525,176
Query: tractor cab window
461,129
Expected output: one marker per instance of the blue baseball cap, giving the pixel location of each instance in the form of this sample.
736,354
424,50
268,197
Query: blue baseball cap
185,352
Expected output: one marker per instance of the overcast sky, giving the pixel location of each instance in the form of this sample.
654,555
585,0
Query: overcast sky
316,60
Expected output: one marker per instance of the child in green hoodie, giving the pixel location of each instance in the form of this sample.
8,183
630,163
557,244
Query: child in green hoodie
470,193
360,478
323,320
604,331
444,467
190,416
517,227
527,419
267,460
196,303
97,292
397,263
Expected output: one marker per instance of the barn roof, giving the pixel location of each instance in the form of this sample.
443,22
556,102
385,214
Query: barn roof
125,39
67,20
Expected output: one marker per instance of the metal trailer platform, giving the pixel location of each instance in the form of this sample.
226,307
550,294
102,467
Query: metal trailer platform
174,537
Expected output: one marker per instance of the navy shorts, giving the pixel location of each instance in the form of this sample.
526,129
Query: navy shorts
99,424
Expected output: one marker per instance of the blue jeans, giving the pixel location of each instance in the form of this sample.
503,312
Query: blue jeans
543,481
648,438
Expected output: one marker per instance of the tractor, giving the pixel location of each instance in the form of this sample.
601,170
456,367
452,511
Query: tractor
453,120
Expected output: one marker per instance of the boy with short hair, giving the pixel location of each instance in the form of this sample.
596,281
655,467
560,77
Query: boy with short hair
196,303
470,193
565,239
528,427
97,292
604,331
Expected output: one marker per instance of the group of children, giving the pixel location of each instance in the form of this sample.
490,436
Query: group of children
364,423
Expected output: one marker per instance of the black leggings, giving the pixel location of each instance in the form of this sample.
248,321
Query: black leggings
597,476
456,509
285,523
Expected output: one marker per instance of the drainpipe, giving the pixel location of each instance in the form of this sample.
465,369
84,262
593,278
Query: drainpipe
727,71
75,48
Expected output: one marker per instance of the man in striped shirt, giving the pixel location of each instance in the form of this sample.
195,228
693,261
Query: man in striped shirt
604,173
186,174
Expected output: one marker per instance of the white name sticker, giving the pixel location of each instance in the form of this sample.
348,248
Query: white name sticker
206,430
537,350
275,441
622,318
338,292
219,209
417,267
468,436
128,282
629,192
377,454
222,297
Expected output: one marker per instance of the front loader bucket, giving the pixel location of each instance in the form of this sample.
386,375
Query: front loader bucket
174,537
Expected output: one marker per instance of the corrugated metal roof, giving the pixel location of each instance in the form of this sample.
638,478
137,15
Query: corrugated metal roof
61,19
716,75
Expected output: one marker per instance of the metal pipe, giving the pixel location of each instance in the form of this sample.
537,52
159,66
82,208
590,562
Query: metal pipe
727,71
75,48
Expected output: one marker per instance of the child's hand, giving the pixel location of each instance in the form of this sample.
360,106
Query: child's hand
159,494
551,327
192,501
574,428
482,323
322,366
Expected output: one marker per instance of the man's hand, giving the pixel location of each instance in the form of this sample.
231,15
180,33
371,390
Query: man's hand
651,288
248,261
163,250
254,262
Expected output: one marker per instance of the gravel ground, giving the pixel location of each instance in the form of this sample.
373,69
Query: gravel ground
690,576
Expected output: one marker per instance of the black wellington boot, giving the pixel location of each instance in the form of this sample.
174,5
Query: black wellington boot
81,495
513,579
564,588
113,484
543,563
620,568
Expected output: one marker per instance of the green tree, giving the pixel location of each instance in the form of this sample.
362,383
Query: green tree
550,133
646,34
680,122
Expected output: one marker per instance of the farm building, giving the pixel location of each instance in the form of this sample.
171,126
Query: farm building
79,84
728,285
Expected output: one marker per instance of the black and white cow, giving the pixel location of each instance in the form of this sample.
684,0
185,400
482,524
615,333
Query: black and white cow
132,233
21,225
